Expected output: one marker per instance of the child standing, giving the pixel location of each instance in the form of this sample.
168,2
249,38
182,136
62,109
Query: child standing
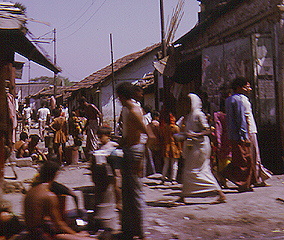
171,148
105,174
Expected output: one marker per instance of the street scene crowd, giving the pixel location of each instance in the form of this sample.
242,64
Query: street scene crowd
203,153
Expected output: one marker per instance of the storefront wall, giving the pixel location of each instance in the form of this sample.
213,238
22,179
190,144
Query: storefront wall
251,57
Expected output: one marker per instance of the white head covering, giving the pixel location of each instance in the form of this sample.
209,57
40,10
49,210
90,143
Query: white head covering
196,103
196,119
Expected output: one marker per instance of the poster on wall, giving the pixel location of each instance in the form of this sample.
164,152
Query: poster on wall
221,64
264,79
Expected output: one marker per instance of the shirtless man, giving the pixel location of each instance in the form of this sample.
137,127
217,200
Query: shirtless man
40,203
133,126
94,119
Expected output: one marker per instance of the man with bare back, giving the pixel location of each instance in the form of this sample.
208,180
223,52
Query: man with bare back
94,120
132,193
41,207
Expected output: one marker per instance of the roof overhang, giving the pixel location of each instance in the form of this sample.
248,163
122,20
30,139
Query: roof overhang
16,41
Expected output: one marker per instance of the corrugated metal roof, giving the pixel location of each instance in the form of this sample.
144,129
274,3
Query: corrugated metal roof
106,72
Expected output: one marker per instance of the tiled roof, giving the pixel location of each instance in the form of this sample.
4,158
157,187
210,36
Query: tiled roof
48,91
30,88
106,72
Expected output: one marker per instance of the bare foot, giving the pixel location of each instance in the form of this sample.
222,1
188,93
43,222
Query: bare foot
218,201
180,200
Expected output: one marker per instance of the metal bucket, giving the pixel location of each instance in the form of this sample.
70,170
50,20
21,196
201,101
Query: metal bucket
71,155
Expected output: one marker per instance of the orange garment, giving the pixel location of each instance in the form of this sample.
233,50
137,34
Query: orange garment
59,125
171,148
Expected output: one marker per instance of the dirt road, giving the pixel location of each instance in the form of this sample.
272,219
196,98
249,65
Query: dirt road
251,215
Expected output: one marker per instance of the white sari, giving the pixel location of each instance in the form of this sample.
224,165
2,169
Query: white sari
197,175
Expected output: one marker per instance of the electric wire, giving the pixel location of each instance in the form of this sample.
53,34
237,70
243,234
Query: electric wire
85,21
71,24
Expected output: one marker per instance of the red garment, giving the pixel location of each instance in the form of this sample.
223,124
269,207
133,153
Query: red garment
223,148
239,171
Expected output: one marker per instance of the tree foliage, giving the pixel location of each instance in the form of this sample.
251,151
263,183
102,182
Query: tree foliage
60,81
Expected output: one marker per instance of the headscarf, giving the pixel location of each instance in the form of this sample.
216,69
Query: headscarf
196,115
196,103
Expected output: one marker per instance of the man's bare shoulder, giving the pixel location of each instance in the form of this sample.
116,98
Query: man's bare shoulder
135,109
41,192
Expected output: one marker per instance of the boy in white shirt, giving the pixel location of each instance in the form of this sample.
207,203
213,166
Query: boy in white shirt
43,115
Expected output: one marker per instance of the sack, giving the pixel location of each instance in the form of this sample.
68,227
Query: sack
115,158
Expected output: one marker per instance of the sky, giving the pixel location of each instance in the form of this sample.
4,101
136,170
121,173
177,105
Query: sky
83,29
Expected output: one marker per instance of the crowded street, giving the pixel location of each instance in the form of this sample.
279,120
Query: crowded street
115,125
251,215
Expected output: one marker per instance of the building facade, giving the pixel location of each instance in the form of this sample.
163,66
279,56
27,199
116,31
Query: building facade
237,38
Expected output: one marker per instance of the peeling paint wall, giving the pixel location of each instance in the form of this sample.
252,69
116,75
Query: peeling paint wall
221,64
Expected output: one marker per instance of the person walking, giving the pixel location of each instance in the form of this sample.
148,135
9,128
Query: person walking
59,126
260,172
27,117
197,177
223,146
171,148
132,165
240,170
94,120
156,148
43,115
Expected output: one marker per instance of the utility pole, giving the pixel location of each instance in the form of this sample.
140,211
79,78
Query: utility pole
54,61
163,42
113,84
29,80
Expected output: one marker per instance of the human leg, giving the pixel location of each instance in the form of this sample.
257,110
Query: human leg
132,193
239,171
165,168
56,148
174,170
41,129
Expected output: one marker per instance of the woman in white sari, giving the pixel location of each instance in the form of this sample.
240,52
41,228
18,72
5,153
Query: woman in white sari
197,176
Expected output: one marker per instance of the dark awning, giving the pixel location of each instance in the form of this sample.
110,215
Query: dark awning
16,41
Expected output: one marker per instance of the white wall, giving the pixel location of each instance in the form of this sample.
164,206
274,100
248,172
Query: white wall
133,72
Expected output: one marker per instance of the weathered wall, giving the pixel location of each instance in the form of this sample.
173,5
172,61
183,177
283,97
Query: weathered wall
255,31
251,17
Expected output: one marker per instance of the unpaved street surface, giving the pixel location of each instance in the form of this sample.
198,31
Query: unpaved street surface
251,215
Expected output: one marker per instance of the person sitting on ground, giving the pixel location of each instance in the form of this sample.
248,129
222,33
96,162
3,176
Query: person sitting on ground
10,225
40,204
31,149
59,189
20,144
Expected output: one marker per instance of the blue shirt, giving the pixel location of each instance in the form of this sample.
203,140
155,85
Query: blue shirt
236,120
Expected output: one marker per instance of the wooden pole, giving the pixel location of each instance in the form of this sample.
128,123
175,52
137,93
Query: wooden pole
54,61
3,122
113,83
163,42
